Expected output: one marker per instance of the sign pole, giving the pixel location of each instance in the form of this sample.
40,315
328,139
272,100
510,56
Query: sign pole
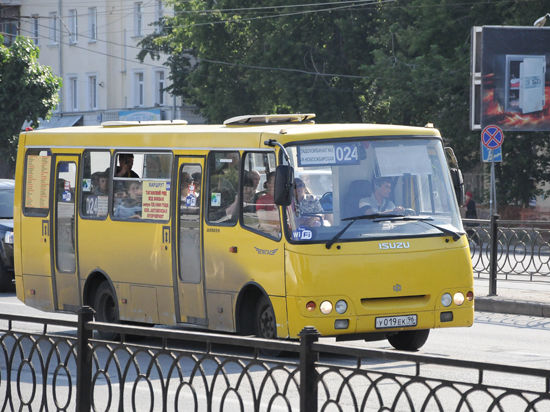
493,195
492,137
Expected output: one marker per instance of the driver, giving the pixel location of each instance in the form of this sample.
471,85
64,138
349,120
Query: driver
379,201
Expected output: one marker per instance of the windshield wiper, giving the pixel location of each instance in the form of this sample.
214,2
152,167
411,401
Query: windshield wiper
424,219
355,219
379,217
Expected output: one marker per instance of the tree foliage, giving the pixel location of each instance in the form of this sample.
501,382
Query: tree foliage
403,61
28,91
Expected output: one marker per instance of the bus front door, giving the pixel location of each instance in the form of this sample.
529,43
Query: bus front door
190,300
65,263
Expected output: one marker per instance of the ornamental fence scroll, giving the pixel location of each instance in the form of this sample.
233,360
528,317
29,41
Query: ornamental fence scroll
522,248
64,368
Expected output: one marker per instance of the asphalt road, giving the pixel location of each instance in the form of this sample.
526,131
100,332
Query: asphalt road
494,338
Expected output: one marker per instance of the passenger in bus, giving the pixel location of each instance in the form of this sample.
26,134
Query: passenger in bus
379,201
100,183
249,190
308,208
268,213
267,201
130,206
197,181
188,199
126,161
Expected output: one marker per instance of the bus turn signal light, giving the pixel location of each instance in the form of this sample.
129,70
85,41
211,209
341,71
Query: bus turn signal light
470,295
310,306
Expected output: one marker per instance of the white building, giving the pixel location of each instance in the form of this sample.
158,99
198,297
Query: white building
93,47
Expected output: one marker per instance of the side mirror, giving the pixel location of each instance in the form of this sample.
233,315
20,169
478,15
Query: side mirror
456,175
284,178
458,184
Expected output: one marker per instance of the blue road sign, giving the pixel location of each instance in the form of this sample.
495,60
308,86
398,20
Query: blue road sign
492,137
486,154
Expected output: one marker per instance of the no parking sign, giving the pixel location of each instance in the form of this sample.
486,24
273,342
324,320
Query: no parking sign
491,144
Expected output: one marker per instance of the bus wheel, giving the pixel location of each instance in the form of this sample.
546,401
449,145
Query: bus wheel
105,309
265,320
410,340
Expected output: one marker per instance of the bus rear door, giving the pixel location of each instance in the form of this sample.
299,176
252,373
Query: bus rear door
190,269
65,262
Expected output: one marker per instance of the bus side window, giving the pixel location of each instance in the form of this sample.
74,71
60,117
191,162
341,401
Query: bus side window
223,184
259,211
95,184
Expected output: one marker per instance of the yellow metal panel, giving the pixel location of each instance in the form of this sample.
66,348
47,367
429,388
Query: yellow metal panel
38,292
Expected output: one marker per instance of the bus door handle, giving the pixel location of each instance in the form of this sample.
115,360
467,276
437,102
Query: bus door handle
166,236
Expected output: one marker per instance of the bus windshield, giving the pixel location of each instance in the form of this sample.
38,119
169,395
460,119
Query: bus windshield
370,188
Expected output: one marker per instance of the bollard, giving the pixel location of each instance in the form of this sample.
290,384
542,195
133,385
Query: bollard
308,373
494,256
84,361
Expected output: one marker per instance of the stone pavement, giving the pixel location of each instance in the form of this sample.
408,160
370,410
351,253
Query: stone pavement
513,297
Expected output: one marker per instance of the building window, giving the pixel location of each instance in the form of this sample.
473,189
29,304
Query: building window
138,89
159,88
92,23
9,22
159,11
54,36
92,92
138,19
35,29
72,101
73,26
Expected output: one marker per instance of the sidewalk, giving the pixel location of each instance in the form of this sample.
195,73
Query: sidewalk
513,297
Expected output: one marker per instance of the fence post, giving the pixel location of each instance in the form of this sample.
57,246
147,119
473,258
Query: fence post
494,256
308,373
84,361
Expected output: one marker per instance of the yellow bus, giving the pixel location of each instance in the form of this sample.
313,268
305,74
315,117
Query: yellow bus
262,225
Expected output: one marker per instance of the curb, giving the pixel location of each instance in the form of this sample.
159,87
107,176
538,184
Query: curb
513,307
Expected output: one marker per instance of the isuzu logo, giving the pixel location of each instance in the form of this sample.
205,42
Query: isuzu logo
393,245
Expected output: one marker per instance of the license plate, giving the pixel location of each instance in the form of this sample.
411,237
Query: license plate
395,321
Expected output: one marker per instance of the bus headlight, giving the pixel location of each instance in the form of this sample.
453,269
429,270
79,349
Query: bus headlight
341,307
458,298
325,307
8,238
446,299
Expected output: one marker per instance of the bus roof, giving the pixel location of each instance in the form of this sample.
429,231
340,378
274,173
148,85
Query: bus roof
177,134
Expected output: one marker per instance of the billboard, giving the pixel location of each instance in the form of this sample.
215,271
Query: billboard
514,80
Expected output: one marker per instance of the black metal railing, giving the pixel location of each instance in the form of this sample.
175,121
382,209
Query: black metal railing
63,367
521,251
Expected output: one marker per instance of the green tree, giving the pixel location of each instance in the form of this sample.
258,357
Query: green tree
28,91
269,60
404,61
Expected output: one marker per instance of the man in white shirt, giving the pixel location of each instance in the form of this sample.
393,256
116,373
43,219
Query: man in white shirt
379,201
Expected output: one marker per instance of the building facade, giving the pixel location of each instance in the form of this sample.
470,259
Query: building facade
93,47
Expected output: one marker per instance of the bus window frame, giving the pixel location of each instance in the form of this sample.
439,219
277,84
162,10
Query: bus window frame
109,185
241,186
33,211
178,214
232,222
76,205
140,179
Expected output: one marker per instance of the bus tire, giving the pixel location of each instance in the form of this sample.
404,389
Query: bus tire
265,320
106,309
265,326
410,340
